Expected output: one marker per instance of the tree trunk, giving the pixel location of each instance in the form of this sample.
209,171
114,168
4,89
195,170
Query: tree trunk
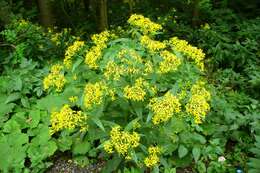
87,5
46,16
102,19
195,15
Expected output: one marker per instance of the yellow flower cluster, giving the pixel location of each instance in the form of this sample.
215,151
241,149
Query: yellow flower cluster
192,52
101,38
55,78
198,105
129,56
136,92
130,61
70,52
113,71
153,158
67,118
145,24
199,89
121,141
170,62
95,52
152,45
164,107
94,94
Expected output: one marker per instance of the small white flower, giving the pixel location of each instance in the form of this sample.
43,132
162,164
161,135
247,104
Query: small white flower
221,159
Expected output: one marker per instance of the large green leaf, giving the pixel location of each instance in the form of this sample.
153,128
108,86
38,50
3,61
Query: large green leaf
81,147
182,151
51,102
196,153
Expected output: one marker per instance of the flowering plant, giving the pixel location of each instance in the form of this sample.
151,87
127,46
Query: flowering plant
131,95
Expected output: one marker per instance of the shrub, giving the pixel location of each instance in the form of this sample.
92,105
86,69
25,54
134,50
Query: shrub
139,98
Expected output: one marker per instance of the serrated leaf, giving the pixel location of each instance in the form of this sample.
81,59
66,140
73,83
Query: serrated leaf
182,151
18,84
6,108
51,102
11,126
34,118
81,147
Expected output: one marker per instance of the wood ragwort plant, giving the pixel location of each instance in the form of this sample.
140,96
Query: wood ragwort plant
130,98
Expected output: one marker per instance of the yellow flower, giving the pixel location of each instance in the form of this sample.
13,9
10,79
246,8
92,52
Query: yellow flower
153,158
73,99
199,89
95,52
192,52
67,118
144,24
94,94
92,56
136,92
148,67
164,107
170,62
55,79
71,51
113,71
108,147
101,38
152,45
198,107
121,141
111,93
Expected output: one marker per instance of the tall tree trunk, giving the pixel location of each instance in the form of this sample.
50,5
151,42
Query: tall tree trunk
195,15
46,16
87,5
102,19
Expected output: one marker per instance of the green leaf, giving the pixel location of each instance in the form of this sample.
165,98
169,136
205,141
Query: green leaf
199,138
11,126
196,153
170,170
76,64
13,148
34,118
6,108
64,142
182,151
21,119
81,147
201,167
98,122
51,102
18,84
112,165
17,139
25,102
13,97
82,161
